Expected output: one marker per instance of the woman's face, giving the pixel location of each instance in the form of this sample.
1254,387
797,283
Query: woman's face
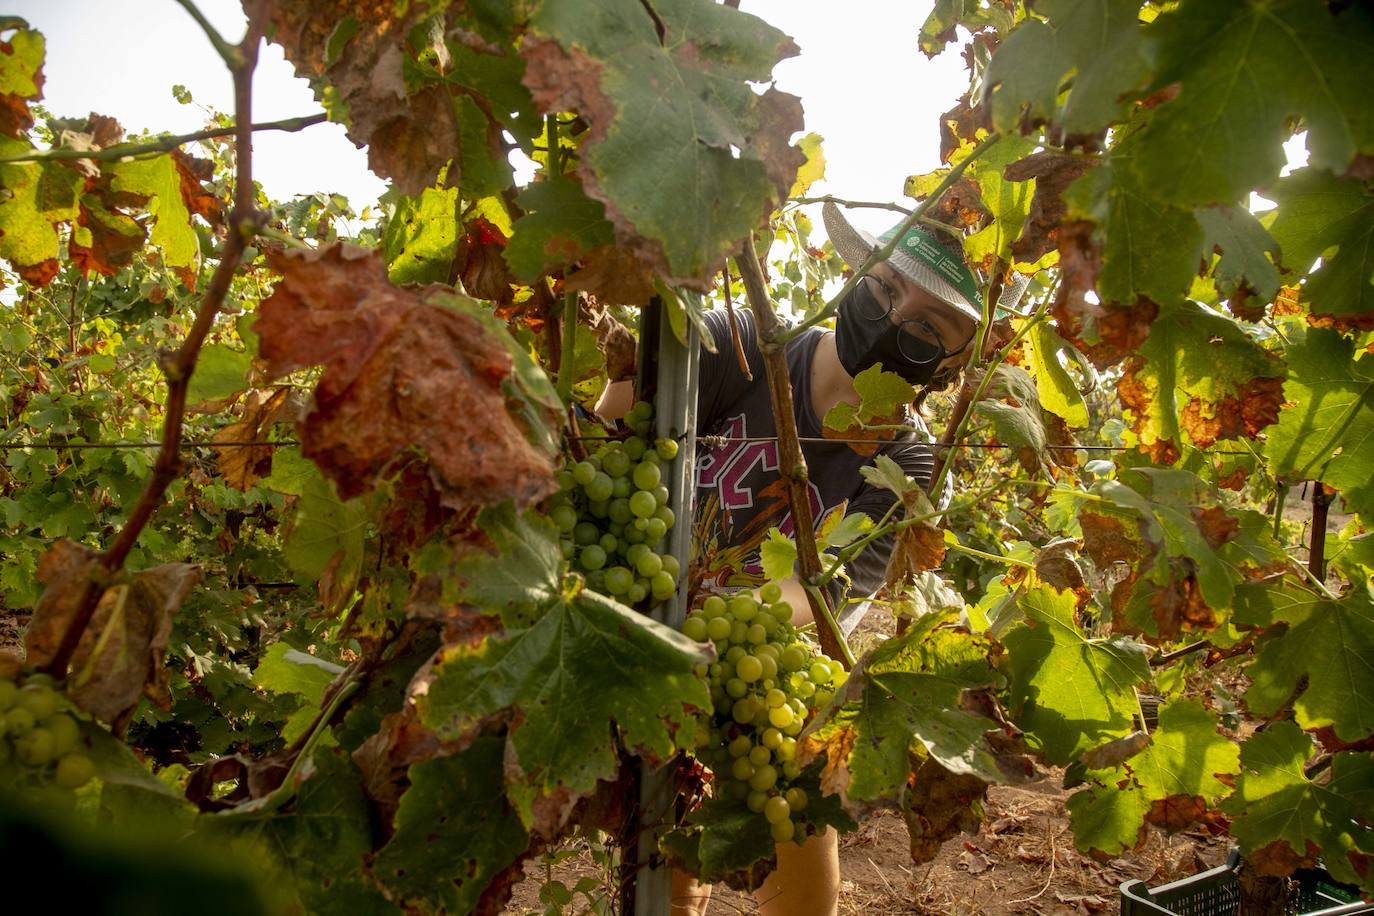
912,303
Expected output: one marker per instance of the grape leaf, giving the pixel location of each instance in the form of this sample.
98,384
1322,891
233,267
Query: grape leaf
939,805
586,653
1098,42
907,697
1053,173
283,669
521,578
1199,376
421,237
813,170
21,79
883,397
161,181
242,465
1329,647
683,153
778,554
1069,692
1326,430
327,535
1173,782
1012,404
1244,243
1283,820
317,843
38,197
457,845
221,371
560,226
1057,391
402,372
1317,212
1245,70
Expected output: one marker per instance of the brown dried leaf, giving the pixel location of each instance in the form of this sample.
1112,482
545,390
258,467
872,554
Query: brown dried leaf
961,124
15,116
409,138
1114,753
242,465
482,269
1053,173
917,549
119,658
612,274
66,567
1255,406
399,373
939,805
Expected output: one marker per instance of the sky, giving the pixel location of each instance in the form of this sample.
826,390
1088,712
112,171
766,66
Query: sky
864,87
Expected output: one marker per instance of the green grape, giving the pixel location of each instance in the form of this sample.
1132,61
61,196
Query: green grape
662,586
616,463
749,669
758,754
787,749
36,748
65,732
791,769
763,778
782,831
564,518
796,798
39,699
781,716
694,628
599,508
714,606
608,543
736,687
770,667
19,721
756,635
820,673
782,611
654,531
592,557
739,747
649,565
665,515
718,628
619,511
772,739
585,533
744,607
770,593
642,505
743,770
619,580
568,547
666,448
662,495
635,448
74,771
583,473
757,802
647,476
794,658
776,698
743,710
566,481
641,410
596,580
620,488
9,692
633,535
777,809
601,487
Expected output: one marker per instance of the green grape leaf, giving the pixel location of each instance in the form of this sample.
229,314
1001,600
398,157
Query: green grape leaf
1012,404
1329,646
587,653
1186,552
907,696
221,371
420,240
560,225
21,79
328,535
1326,430
1318,212
522,576
1057,391
883,398
283,669
813,170
1007,201
1098,42
1150,249
1282,820
457,846
778,554
37,197
161,180
887,474
482,166
683,153
1244,243
317,842
1199,376
1173,782
1069,692
1244,71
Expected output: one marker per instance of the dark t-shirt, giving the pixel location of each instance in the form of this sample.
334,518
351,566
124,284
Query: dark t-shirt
740,494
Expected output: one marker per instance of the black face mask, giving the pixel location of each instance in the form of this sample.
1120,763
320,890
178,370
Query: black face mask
865,336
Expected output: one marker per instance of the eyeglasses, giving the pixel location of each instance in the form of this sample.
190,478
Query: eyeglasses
919,342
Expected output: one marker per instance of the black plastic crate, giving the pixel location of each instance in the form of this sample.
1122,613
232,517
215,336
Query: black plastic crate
1216,892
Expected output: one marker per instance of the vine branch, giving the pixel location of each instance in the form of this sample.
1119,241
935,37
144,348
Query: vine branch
791,462
178,366
162,144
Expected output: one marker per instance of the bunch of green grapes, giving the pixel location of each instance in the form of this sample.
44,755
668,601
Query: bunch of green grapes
612,513
764,685
39,741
